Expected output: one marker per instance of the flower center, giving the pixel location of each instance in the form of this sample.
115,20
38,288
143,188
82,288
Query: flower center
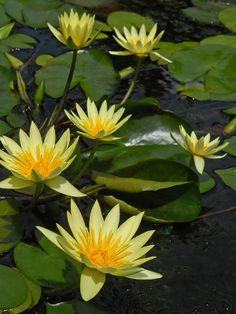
106,251
44,162
99,127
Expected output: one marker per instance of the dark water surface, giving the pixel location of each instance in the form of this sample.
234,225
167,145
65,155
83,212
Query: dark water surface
197,259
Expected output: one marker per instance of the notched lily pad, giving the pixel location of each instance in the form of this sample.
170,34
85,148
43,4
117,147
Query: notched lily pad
119,19
94,72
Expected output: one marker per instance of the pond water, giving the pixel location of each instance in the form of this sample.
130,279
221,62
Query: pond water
197,259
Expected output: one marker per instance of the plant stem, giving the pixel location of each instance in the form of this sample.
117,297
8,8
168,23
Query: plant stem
131,87
59,106
86,165
217,212
37,192
63,290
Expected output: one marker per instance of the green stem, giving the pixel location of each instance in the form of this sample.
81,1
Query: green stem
131,87
59,106
37,192
86,165
63,290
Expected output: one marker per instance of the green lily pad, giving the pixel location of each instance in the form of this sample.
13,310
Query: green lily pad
10,225
13,288
74,307
226,40
206,182
227,17
231,148
177,203
230,111
119,19
202,58
167,49
51,268
4,18
8,99
94,72
34,13
228,176
20,41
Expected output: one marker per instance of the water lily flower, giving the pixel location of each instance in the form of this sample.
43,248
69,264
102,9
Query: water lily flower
35,161
96,124
74,31
104,247
139,43
200,148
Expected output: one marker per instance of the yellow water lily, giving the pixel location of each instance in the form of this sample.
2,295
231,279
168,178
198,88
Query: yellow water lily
96,124
200,148
104,247
74,31
139,43
37,161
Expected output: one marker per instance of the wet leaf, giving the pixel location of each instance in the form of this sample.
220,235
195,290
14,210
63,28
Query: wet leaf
51,268
228,176
13,288
34,13
227,17
119,19
74,307
178,203
231,148
94,72
10,225
226,40
206,183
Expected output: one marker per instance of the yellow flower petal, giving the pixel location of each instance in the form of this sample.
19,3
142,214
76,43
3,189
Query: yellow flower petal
91,282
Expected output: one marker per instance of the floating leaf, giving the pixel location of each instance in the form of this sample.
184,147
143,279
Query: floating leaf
228,176
94,72
13,288
178,203
20,41
74,307
52,268
4,19
10,225
226,40
206,183
34,13
231,148
227,17
8,100
167,49
119,19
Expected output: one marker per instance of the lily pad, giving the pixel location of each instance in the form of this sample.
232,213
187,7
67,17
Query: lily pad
227,17
74,307
52,268
231,148
10,225
226,40
94,72
178,203
206,183
119,19
228,176
34,13
8,99
13,288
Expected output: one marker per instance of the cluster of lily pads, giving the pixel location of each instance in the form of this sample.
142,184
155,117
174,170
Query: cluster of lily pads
130,155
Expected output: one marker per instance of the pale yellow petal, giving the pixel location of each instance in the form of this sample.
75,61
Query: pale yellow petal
91,282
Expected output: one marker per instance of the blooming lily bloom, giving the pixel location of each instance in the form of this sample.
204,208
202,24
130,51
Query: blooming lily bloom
139,43
200,148
104,248
75,32
35,161
98,125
